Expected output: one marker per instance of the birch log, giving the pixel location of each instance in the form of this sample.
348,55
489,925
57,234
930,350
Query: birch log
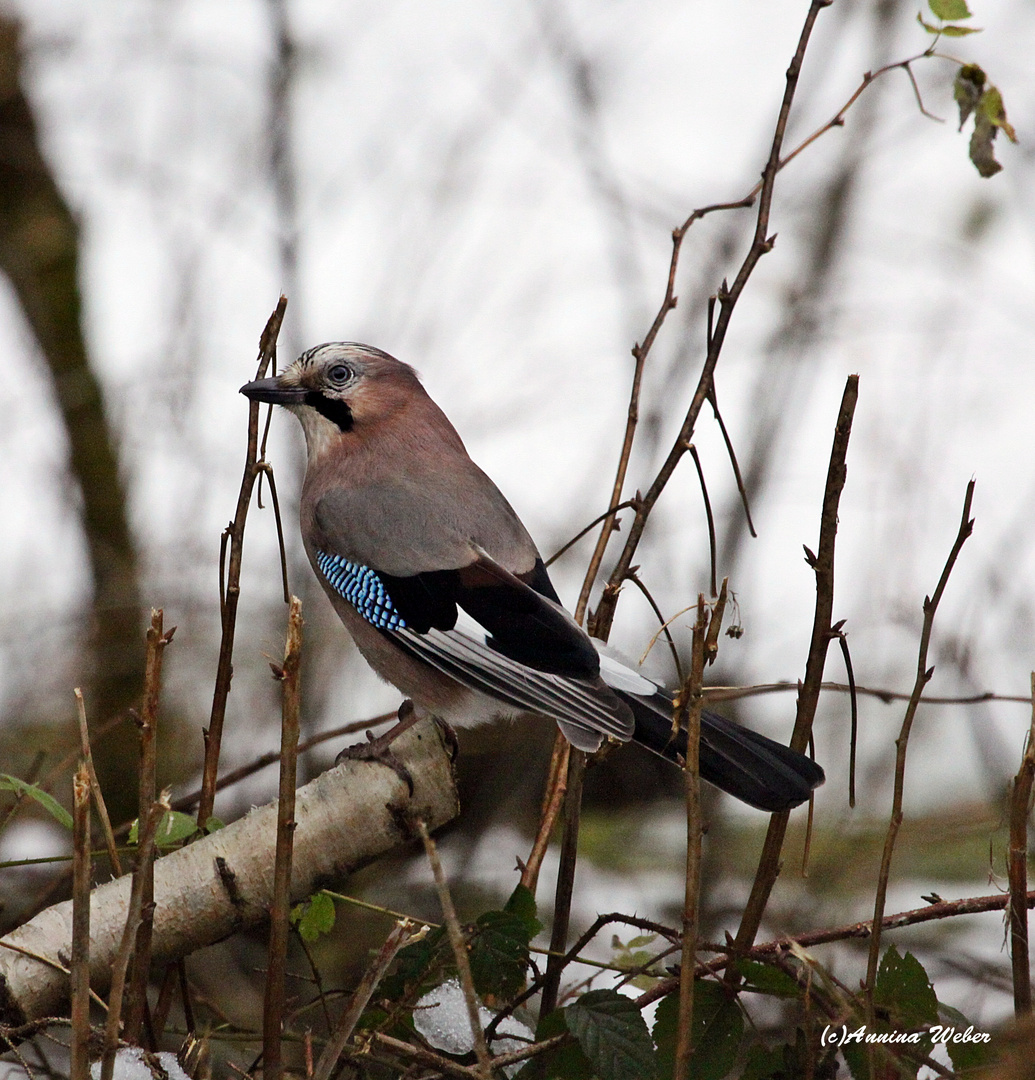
223,883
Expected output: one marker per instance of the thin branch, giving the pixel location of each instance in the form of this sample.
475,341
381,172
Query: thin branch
736,693
148,829
853,696
689,715
634,577
610,512
713,401
1020,808
923,676
403,933
185,802
80,961
565,882
224,670
280,910
556,788
95,784
944,909
708,515
459,945
808,693
267,470
137,1012
728,297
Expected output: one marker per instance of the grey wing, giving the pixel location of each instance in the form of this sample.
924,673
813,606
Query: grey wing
407,526
586,705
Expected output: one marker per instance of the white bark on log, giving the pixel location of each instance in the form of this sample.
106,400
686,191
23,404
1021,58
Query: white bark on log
223,883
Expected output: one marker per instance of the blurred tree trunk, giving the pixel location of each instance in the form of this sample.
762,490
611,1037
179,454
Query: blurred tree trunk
39,254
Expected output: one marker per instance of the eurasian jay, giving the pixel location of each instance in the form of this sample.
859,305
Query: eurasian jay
403,529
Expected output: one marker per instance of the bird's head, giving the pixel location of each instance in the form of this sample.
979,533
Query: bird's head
340,388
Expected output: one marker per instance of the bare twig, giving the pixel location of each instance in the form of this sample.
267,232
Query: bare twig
808,692
80,962
556,788
712,400
403,933
148,828
634,577
923,676
565,882
95,785
418,1054
1020,808
944,909
708,515
231,593
267,471
136,987
853,697
735,693
459,945
280,912
185,802
582,532
689,713
761,243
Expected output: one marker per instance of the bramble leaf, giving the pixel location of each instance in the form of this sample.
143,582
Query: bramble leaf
612,1033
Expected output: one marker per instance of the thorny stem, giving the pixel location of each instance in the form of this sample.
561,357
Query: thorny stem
689,713
224,670
808,693
273,1008
80,961
137,1013
459,945
148,829
403,934
923,676
95,784
728,297
1020,807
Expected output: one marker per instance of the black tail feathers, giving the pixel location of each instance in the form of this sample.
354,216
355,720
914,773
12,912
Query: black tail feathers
756,770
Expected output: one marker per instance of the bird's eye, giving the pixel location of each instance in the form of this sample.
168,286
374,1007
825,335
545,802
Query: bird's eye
339,374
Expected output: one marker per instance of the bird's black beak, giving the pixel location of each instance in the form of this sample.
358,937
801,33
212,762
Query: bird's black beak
274,392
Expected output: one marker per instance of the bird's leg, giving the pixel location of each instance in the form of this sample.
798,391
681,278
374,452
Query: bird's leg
379,749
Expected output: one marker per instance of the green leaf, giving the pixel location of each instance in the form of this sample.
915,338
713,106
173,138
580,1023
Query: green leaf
904,989
48,802
173,829
566,1063
991,105
926,25
716,1032
613,1035
314,917
214,824
959,31
416,965
634,954
768,979
9,783
950,9
764,1064
522,904
968,1055
499,954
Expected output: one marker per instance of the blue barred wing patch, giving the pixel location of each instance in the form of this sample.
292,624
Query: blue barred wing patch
363,589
